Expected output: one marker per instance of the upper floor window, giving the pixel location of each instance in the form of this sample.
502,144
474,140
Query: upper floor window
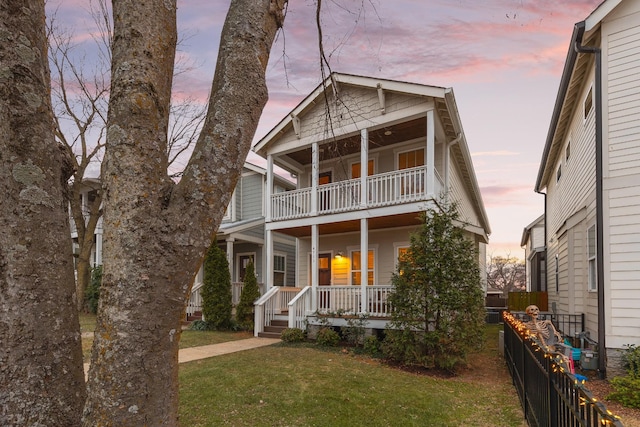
356,169
559,172
411,159
588,103
591,257
567,151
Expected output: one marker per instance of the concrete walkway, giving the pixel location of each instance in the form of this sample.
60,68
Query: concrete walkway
196,353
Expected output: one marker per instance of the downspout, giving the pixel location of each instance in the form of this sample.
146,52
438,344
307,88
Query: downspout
579,48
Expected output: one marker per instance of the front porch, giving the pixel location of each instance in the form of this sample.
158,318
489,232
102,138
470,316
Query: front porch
302,306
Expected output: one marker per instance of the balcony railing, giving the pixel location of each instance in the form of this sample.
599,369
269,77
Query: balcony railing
389,188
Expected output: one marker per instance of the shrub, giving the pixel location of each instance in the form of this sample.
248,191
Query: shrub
293,335
327,337
372,346
438,311
627,388
199,325
355,329
250,293
92,293
216,289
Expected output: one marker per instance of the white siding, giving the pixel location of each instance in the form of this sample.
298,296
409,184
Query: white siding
458,193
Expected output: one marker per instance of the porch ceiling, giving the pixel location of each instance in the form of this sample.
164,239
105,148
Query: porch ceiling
400,132
376,223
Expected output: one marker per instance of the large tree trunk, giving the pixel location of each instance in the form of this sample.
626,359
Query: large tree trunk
156,232
41,378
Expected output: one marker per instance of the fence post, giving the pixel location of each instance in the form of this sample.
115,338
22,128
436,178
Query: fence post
552,395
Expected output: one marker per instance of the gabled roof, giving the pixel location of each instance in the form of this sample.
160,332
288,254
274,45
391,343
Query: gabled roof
445,104
575,71
527,230
340,79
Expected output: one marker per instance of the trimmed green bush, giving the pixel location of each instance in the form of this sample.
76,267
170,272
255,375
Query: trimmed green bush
327,337
250,293
372,346
216,289
293,335
627,388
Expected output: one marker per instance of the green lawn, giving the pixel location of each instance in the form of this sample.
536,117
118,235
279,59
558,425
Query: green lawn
305,386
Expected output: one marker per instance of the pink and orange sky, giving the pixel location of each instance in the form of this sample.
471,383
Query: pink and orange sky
503,59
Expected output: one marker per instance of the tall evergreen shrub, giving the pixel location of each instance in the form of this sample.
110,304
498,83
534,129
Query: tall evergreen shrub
216,289
438,311
250,293
92,293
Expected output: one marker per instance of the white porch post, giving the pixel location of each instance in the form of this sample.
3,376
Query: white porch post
364,263
98,260
269,189
430,153
314,267
267,257
315,160
230,241
364,167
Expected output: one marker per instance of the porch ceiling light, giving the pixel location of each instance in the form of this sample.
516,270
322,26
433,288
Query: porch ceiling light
387,132
339,255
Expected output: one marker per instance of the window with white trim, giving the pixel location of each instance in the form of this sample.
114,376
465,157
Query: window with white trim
356,268
588,103
279,269
591,257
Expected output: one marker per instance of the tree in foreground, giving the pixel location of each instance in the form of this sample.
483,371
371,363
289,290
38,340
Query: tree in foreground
216,289
156,231
41,378
437,300
250,293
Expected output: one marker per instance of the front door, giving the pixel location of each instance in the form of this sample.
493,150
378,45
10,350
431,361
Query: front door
243,262
324,279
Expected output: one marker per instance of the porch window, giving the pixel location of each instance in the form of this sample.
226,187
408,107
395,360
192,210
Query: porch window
411,185
411,159
279,268
356,169
591,256
401,252
356,268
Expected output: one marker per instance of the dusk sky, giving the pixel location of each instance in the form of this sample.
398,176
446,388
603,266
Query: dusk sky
503,59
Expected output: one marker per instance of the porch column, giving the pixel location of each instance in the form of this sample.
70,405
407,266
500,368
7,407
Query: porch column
430,154
267,260
269,189
364,263
315,167
230,241
314,267
364,167
98,249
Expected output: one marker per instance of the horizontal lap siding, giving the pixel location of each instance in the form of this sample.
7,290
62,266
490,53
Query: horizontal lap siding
623,167
459,194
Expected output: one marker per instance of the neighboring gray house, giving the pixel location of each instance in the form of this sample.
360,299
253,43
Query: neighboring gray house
590,171
242,236
535,255
352,221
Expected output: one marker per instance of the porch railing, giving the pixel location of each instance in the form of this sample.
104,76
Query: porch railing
236,291
550,395
195,299
275,301
300,308
389,188
348,300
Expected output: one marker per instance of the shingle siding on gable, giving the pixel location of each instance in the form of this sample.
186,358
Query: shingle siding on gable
252,193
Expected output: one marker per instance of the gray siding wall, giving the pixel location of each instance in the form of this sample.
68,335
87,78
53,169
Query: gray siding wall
251,197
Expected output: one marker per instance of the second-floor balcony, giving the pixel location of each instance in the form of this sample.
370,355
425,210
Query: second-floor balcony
384,189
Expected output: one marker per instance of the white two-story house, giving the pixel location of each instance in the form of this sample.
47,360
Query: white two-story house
353,221
590,173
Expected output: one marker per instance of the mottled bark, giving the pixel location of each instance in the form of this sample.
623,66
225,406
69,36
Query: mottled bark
156,232
41,378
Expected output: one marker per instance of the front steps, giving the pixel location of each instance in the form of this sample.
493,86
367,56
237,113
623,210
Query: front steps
279,324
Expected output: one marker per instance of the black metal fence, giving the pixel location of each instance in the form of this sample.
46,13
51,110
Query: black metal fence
550,395
569,325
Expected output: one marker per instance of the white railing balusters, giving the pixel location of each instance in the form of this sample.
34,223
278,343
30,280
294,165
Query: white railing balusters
300,308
